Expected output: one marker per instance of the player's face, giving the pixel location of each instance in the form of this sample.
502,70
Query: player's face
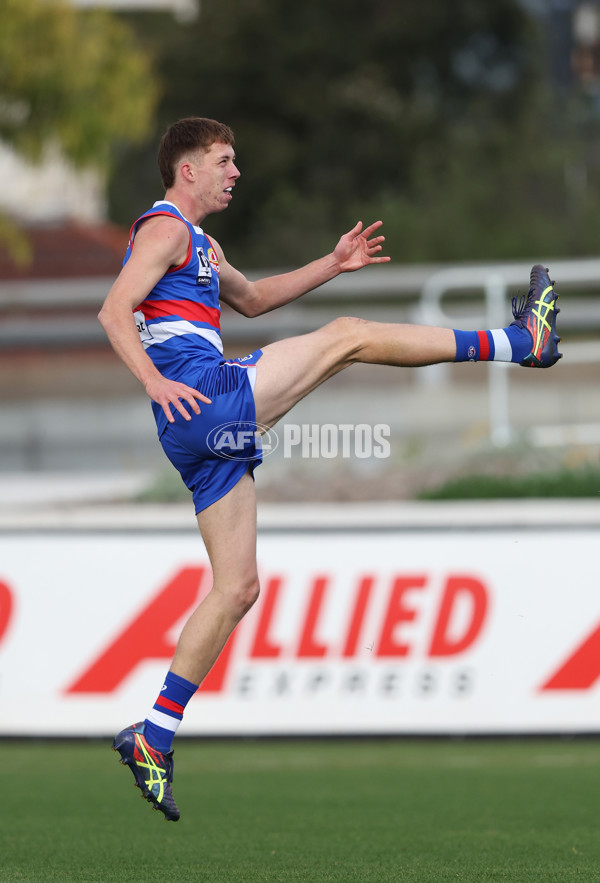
215,175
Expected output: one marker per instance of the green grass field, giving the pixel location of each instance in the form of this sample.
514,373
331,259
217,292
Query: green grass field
307,811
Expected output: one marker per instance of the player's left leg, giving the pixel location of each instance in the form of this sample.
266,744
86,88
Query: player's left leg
228,529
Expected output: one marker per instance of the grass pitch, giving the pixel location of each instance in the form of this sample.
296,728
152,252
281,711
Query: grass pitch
306,811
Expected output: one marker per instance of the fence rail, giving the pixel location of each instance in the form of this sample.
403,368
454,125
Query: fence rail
495,282
51,314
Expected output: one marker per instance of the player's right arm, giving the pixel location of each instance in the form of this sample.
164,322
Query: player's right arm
160,243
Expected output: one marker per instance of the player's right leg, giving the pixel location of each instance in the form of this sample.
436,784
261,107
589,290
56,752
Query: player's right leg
290,369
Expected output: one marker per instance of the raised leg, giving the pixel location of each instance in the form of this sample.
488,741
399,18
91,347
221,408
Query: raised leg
290,369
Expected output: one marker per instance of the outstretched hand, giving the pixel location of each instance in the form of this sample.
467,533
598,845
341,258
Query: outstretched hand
167,392
359,247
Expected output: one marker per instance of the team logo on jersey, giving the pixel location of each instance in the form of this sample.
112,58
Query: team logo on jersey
204,271
213,259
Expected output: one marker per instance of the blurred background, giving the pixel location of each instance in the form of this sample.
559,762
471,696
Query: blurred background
470,129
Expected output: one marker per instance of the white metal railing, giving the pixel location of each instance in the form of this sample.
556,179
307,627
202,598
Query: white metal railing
495,280
58,313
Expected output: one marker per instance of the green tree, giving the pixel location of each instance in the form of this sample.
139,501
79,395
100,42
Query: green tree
77,78
431,114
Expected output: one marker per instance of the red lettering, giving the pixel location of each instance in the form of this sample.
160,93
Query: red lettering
397,613
263,647
309,647
442,644
358,615
581,670
144,638
6,608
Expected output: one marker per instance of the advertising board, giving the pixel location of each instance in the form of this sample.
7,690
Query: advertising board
358,630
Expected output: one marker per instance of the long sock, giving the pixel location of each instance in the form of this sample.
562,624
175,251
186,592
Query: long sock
165,716
509,344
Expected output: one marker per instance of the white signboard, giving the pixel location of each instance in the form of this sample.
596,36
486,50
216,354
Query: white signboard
393,631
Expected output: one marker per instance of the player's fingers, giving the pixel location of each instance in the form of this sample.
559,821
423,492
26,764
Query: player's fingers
166,408
371,228
183,410
201,397
192,397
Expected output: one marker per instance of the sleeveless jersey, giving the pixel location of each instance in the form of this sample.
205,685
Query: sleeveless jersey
179,327
181,315
179,321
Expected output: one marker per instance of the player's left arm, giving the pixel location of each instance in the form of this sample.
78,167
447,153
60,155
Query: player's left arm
355,249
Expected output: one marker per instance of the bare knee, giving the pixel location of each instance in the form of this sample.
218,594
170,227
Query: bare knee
350,334
242,596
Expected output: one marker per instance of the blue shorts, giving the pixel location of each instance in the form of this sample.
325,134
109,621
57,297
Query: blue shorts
214,449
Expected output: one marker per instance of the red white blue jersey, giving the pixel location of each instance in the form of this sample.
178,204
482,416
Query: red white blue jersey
179,327
182,312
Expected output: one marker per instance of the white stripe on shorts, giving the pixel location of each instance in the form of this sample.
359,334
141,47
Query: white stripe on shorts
250,370
252,376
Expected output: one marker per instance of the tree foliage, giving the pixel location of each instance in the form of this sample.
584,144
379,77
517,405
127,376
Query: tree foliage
71,76
433,115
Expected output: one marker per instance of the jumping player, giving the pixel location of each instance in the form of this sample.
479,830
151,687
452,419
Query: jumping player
162,318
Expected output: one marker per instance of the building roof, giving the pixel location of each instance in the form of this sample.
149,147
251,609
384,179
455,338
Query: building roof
67,250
